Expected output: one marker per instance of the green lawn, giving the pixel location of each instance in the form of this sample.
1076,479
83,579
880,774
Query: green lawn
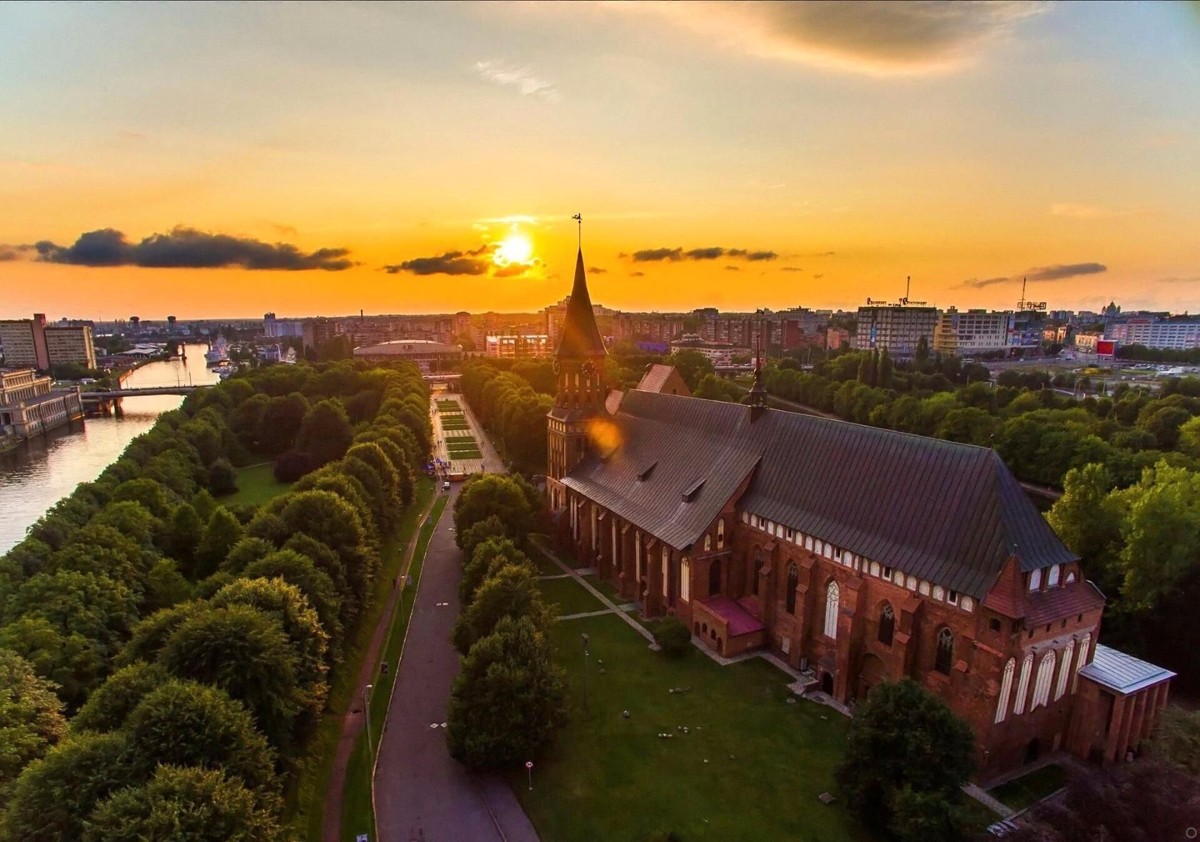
545,566
358,810
1021,792
448,406
569,596
256,485
305,798
455,423
750,767
607,588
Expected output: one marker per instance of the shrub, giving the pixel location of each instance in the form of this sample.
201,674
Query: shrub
292,465
674,638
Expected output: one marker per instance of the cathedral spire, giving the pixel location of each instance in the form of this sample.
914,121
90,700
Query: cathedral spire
580,338
758,392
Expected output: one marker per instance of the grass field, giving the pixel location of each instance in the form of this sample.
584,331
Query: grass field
1020,792
568,597
448,406
455,423
305,798
256,485
358,809
750,766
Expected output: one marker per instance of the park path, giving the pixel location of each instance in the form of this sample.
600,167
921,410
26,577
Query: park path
421,793
353,721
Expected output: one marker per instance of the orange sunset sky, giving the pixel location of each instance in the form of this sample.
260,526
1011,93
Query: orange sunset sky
210,160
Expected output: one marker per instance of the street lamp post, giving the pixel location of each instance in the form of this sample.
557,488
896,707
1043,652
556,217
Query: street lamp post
585,663
367,714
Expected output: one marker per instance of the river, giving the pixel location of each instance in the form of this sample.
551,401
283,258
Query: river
46,469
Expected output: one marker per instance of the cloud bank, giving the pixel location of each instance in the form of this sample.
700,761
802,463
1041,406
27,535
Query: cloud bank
708,253
471,262
183,248
873,38
1057,272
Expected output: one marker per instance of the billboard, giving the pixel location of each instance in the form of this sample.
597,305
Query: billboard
1106,347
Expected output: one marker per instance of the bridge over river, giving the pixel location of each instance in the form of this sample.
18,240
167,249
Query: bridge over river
113,394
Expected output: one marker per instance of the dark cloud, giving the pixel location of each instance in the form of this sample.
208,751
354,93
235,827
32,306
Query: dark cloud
707,253
190,249
657,254
13,252
1057,272
733,268
878,39
473,262
792,269
976,283
1060,271
637,274
597,270
818,277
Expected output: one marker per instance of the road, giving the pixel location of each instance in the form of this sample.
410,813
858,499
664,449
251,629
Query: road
421,793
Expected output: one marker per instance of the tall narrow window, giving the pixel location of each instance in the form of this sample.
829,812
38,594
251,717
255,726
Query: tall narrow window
707,543
1005,690
721,534
1023,684
793,580
1064,672
1035,580
666,572
887,624
945,650
685,580
1052,579
831,610
1081,662
1041,688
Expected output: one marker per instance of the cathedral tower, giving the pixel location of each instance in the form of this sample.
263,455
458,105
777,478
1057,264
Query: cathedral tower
579,369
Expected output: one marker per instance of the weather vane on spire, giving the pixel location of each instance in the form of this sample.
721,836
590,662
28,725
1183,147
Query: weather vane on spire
579,218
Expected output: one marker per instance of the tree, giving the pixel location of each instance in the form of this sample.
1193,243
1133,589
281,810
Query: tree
54,795
246,653
1088,520
674,637
512,591
471,537
222,478
182,723
692,366
903,738
165,586
1161,534
280,422
150,494
509,699
182,535
220,535
325,433
199,805
112,702
31,719
494,494
315,584
287,604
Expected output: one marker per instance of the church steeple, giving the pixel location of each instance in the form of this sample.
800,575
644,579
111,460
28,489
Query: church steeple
580,338
579,366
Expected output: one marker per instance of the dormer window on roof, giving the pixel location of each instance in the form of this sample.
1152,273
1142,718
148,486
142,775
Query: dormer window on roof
644,473
690,494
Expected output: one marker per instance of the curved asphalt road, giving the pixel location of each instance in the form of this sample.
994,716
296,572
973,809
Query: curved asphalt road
421,793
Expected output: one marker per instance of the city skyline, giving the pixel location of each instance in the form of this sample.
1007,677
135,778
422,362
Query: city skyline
405,159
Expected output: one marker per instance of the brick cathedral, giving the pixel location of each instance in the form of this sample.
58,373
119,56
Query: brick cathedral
859,555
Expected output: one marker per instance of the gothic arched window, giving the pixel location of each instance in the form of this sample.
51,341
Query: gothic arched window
831,610
1041,687
1005,690
793,580
1064,671
707,543
1023,684
721,534
887,624
945,650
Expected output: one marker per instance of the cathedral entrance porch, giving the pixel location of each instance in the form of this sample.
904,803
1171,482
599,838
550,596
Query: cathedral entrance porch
727,627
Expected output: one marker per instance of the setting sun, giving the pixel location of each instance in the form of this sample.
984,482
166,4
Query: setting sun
515,248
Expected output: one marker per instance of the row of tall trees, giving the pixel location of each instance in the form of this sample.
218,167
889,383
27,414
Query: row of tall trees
165,657
509,698
511,409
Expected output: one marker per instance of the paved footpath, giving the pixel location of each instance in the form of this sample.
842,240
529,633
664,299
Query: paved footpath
421,793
